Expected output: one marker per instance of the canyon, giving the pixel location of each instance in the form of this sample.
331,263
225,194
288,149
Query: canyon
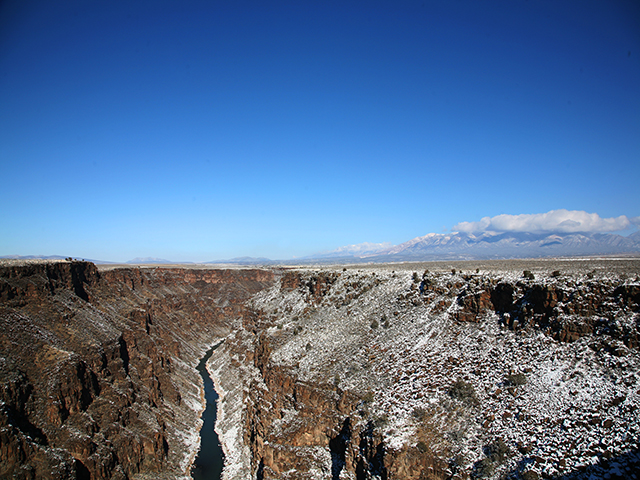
98,369
521,369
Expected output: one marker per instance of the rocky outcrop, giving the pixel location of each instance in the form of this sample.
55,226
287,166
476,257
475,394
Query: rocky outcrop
353,373
564,309
98,368
317,285
319,407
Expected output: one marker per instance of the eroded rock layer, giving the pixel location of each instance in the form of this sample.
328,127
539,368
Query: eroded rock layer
97,368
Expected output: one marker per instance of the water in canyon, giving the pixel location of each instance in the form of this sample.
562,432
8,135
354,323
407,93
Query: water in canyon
208,464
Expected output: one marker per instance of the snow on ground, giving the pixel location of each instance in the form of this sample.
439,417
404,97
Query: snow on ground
230,379
372,332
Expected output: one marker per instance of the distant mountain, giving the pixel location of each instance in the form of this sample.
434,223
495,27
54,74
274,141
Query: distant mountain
487,245
51,257
244,261
438,246
146,260
357,250
33,257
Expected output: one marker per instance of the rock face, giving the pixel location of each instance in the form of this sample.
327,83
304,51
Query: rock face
97,368
330,373
401,375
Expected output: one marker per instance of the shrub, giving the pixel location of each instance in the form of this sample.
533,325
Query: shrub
484,468
456,463
374,324
422,447
456,436
453,271
515,379
381,421
555,273
529,475
497,451
528,275
419,413
368,397
463,391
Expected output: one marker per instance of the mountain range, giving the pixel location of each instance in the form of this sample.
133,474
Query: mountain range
446,246
491,245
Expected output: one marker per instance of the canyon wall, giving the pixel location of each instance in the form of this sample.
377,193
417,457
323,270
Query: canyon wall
412,375
98,368
335,373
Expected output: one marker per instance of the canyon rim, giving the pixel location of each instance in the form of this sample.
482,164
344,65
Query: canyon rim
496,369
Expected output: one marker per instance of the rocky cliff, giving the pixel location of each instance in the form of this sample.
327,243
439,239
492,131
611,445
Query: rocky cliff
411,375
98,368
334,373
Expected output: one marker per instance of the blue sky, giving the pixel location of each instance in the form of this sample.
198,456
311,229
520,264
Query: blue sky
205,130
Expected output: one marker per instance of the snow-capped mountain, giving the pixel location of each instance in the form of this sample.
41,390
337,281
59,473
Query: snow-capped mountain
458,245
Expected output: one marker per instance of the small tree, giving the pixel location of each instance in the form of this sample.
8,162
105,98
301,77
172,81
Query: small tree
464,392
515,380
497,451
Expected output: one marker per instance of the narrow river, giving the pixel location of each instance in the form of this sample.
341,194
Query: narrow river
208,464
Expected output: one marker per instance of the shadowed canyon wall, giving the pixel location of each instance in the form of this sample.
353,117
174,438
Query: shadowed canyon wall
98,368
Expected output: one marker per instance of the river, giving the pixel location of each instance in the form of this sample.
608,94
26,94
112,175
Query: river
208,464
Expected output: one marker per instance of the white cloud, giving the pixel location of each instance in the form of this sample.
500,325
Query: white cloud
555,221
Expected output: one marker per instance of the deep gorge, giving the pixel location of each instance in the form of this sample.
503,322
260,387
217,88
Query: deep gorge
98,369
379,372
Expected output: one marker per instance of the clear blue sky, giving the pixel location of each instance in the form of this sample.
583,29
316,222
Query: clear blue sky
197,131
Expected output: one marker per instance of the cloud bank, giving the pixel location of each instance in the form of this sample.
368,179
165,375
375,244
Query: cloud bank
555,221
